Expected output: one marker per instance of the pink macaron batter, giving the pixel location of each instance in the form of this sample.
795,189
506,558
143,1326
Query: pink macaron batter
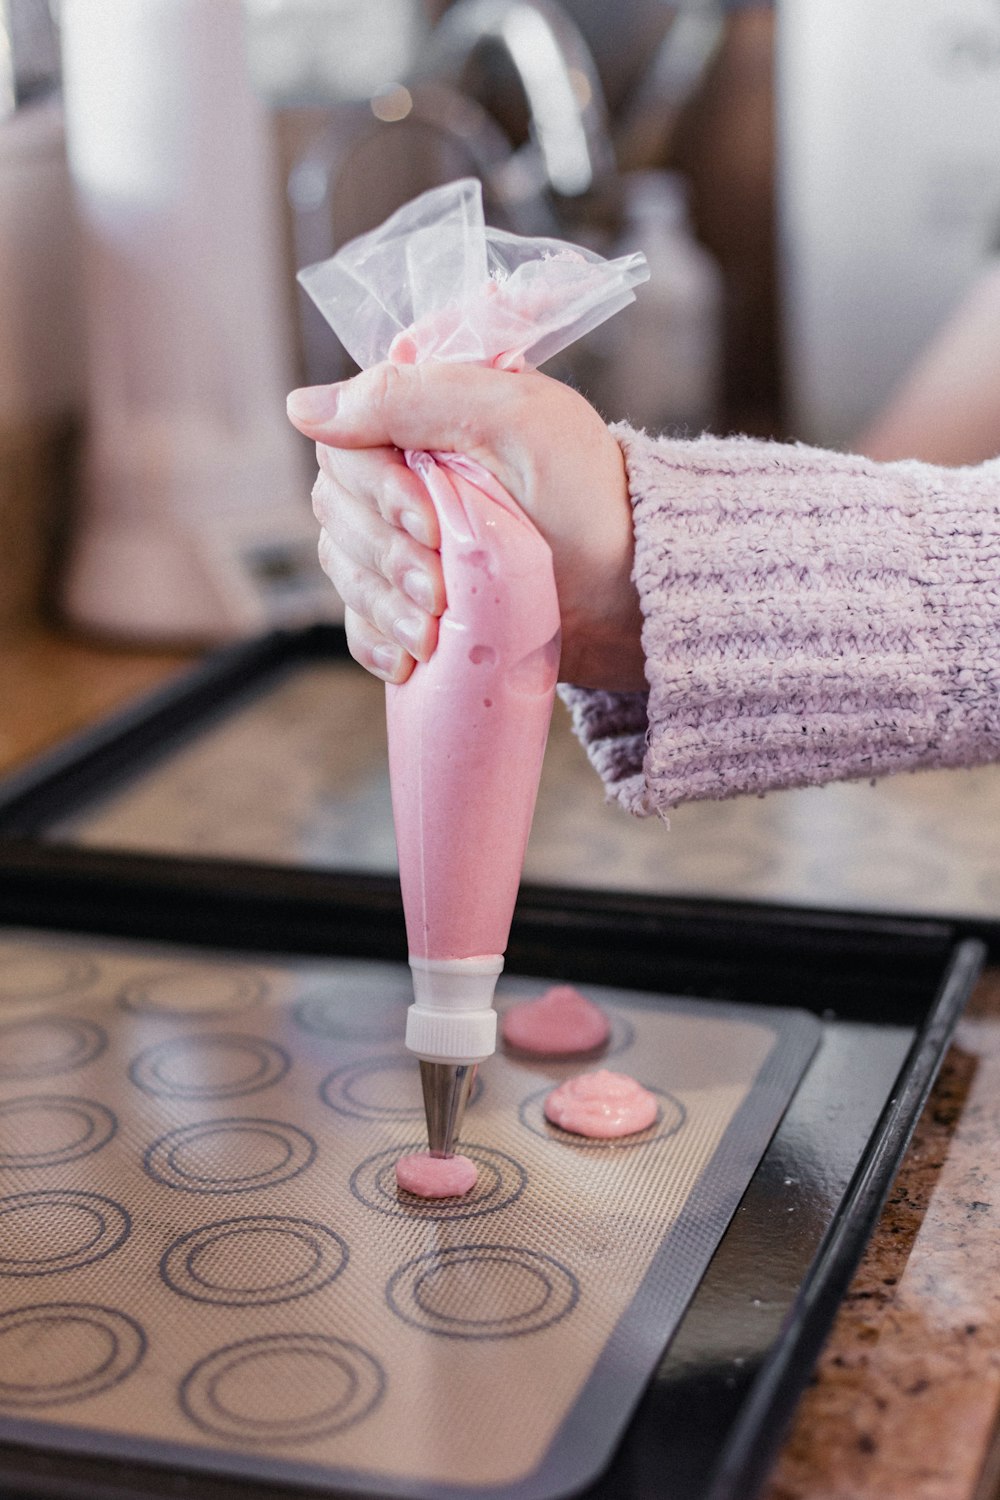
601,1105
560,1023
428,1176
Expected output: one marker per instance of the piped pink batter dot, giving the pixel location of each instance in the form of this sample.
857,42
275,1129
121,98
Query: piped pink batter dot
601,1105
558,1024
429,1176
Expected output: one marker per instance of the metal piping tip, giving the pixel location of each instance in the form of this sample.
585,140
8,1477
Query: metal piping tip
446,1087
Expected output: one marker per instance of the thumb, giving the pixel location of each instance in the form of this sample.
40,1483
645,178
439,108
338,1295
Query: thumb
446,407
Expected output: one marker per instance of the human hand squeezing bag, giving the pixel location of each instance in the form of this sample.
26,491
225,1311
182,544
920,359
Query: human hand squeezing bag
459,305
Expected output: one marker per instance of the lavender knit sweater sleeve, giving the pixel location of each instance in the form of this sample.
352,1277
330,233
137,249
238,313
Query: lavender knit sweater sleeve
808,617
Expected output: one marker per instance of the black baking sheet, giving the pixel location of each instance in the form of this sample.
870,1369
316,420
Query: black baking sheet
714,1411
273,753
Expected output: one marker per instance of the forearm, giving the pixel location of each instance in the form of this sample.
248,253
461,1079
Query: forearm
807,617
947,409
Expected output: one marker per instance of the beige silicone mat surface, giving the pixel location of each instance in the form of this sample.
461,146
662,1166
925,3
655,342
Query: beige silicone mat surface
205,1262
298,776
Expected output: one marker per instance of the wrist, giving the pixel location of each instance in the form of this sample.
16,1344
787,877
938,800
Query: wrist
603,634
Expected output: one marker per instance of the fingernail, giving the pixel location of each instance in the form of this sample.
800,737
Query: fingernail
417,525
409,633
418,587
387,660
313,403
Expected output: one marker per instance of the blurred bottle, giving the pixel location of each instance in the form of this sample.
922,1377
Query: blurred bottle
662,357
195,521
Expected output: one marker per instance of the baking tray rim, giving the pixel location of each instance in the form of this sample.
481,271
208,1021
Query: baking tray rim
746,1451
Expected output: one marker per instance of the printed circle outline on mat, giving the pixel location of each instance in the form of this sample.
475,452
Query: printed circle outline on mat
162,1159
669,1121
620,1039
548,1290
331,1015
336,1090
113,1223
180,1271
149,1070
55,974
86,1041
501,1181
205,1401
167,992
100,1125
62,1333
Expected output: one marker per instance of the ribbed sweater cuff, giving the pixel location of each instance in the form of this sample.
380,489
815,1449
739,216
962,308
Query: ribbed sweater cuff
808,617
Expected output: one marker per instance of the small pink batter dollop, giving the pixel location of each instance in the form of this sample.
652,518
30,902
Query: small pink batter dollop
429,1176
601,1105
558,1024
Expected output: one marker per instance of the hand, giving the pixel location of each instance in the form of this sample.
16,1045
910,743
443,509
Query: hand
544,443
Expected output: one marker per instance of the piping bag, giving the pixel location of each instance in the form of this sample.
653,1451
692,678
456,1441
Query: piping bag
467,730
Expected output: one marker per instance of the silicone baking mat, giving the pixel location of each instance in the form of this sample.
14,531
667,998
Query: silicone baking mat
204,1259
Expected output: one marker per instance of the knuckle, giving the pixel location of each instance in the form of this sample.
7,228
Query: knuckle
392,492
401,491
325,550
397,556
387,608
385,379
321,498
353,578
357,635
364,638
381,614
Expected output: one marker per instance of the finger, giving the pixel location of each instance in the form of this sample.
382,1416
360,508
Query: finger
381,477
393,614
411,406
371,650
353,534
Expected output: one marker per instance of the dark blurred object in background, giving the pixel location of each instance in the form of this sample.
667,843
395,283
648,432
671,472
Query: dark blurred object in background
40,335
724,142
29,52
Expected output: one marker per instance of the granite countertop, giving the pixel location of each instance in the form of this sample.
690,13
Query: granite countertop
905,1399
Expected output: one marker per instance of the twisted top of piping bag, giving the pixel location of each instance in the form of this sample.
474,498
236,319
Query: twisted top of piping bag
435,282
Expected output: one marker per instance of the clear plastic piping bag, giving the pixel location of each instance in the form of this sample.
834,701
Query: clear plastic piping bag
435,282
467,730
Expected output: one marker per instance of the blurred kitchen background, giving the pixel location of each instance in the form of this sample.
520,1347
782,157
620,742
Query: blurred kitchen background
816,187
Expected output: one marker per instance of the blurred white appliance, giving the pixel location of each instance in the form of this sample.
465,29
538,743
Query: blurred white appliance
195,522
664,368
889,190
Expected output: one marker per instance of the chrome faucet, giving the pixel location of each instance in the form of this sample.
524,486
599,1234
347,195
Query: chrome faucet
568,120
548,187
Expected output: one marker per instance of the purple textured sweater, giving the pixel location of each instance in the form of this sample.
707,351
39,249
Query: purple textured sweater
809,616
